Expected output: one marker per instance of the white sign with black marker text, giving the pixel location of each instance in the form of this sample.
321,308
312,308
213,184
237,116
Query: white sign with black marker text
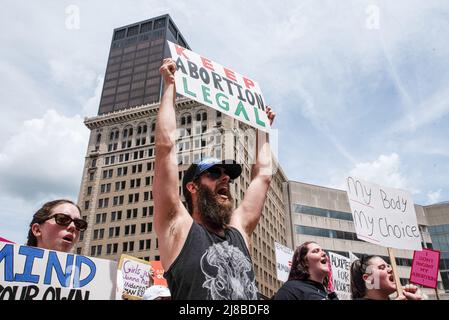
284,256
383,216
340,275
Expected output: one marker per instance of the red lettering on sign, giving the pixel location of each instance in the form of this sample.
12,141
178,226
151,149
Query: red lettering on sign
180,51
207,63
248,83
229,74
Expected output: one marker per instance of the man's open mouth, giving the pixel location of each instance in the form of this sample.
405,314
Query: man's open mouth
223,193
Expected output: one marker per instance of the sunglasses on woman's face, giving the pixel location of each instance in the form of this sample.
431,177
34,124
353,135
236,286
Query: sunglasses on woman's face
65,220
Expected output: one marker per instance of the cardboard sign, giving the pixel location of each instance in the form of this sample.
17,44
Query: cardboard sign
218,87
425,268
30,273
341,278
284,256
158,274
383,216
136,275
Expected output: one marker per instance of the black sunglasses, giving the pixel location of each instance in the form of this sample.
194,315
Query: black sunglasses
216,172
65,220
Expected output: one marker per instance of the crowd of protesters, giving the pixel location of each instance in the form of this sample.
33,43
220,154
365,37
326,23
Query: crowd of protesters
204,246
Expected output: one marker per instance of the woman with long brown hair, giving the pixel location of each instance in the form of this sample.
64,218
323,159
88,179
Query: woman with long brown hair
308,276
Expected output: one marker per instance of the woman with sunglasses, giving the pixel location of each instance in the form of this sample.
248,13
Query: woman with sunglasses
373,279
308,278
56,226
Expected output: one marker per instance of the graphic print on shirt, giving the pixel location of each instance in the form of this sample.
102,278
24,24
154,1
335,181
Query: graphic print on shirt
227,271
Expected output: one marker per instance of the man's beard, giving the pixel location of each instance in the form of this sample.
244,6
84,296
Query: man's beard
213,213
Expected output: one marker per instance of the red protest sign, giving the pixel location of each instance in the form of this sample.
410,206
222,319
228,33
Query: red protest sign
425,268
158,274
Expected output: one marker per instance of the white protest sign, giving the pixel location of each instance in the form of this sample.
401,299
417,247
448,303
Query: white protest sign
352,257
30,273
221,88
136,274
340,275
383,216
284,256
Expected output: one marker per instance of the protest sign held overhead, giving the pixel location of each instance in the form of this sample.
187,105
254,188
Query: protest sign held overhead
341,278
284,256
425,268
221,88
383,216
136,274
30,273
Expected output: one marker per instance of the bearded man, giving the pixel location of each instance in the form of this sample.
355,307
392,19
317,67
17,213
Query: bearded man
204,249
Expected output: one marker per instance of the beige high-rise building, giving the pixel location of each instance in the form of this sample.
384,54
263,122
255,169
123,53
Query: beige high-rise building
116,190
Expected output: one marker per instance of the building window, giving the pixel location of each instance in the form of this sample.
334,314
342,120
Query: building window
322,212
119,34
132,31
145,27
327,233
159,23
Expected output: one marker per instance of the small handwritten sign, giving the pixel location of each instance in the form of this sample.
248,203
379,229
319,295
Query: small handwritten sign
425,268
136,274
383,216
284,256
340,275
158,274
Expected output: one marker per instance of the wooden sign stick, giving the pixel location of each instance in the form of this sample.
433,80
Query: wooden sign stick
395,271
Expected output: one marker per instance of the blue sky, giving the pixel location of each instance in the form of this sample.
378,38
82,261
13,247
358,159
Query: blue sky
360,87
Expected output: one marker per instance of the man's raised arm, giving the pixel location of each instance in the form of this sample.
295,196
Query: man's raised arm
170,216
247,215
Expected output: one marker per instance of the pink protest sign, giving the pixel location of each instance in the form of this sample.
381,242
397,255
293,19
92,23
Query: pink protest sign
425,268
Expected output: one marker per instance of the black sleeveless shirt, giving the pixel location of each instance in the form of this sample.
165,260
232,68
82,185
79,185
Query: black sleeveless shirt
210,267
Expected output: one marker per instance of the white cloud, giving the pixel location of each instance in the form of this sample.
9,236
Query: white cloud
434,108
385,171
91,107
434,196
44,157
71,73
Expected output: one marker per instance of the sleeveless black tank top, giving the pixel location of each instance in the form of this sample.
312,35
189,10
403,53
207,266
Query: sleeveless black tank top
210,267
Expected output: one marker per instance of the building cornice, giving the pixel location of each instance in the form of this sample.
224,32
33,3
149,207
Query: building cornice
134,113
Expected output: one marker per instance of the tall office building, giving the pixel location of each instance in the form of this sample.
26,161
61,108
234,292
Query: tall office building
116,193
323,215
132,75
